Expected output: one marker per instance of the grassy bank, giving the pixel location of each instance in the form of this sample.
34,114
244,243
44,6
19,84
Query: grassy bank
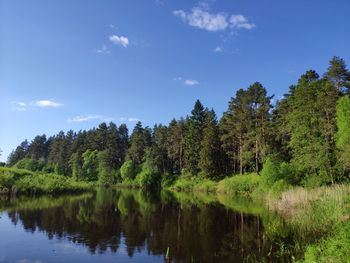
14,181
322,212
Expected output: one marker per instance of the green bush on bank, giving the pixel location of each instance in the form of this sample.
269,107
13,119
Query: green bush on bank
243,185
188,184
13,180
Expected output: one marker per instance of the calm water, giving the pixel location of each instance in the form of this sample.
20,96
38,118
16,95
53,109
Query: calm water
133,226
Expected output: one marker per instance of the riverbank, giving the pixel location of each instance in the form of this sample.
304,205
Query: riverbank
21,181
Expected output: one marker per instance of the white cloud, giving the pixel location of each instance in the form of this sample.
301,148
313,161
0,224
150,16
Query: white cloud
203,19
103,50
191,82
47,103
84,118
19,106
119,40
240,21
218,49
200,17
188,82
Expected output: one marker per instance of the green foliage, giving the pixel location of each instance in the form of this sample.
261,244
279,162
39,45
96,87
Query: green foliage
49,183
274,172
210,154
343,134
23,181
76,167
90,165
30,164
106,174
239,184
129,170
278,188
335,248
193,138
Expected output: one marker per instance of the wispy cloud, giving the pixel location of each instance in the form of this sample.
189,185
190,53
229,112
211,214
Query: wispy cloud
191,82
119,40
47,104
19,106
201,17
218,49
103,50
187,82
84,118
24,106
240,21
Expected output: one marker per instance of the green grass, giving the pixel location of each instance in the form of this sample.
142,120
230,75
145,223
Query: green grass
13,180
335,248
322,214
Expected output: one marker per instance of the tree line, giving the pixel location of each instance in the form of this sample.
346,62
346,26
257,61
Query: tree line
308,128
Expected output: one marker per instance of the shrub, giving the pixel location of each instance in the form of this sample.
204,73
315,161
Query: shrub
239,184
278,188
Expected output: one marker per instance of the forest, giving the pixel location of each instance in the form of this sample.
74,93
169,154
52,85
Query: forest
305,135
291,153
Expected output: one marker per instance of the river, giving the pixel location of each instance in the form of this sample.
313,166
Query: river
112,225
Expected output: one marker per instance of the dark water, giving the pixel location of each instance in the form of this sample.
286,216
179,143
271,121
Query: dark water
133,226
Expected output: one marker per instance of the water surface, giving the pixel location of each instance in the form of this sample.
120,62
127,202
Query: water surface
134,226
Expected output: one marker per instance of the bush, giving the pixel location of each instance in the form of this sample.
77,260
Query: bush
24,181
30,164
274,172
128,171
313,181
184,184
278,188
205,186
239,184
49,183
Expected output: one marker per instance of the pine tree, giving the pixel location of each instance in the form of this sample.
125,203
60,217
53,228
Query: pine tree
210,154
193,138
139,140
338,74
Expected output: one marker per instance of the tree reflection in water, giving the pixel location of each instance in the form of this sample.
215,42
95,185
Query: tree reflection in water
196,228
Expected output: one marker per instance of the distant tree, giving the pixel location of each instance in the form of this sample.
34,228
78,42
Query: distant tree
105,170
90,165
18,154
38,148
139,140
193,138
175,144
76,166
123,134
338,74
210,153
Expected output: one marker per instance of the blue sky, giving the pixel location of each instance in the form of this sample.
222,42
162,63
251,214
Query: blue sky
73,64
